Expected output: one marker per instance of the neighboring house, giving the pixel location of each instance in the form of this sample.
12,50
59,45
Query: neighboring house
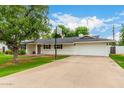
3,47
86,45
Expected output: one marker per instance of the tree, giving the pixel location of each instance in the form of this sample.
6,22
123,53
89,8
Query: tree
47,34
81,30
70,33
18,23
121,41
66,32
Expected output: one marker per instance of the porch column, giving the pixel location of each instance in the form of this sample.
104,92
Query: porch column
36,49
26,49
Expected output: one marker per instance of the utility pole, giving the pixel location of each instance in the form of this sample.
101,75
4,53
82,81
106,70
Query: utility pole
87,22
113,48
113,31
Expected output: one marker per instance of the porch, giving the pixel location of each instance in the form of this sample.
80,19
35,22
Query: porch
33,48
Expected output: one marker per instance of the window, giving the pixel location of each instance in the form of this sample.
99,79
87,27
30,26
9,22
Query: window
58,46
47,46
109,43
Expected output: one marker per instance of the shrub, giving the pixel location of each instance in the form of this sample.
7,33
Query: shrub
8,52
22,52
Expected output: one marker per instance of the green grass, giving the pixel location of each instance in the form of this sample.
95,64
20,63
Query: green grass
119,59
32,62
4,58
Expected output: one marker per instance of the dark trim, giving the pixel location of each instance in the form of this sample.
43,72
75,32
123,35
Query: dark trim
46,46
58,46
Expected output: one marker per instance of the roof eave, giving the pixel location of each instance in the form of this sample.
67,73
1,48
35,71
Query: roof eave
110,41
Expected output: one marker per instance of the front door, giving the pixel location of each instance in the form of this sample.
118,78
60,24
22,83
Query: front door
39,49
3,49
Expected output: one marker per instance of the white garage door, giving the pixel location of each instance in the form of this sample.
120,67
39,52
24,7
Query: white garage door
98,49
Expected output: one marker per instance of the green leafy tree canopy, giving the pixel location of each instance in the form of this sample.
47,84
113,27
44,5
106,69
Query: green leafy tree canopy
18,23
72,33
81,30
121,41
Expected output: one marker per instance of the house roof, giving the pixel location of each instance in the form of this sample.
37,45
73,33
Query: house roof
71,40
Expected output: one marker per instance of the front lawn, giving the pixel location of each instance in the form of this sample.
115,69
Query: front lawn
119,59
25,62
4,58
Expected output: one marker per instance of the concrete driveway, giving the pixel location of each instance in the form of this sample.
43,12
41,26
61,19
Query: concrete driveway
74,71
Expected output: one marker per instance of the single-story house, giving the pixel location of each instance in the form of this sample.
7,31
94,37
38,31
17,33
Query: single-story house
85,45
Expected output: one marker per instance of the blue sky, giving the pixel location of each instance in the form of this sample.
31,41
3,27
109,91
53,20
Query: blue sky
98,18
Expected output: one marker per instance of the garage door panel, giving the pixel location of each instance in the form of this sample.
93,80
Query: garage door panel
92,49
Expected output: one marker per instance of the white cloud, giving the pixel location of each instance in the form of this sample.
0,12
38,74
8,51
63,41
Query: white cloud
117,36
111,19
117,25
72,22
108,27
103,28
52,22
94,24
121,13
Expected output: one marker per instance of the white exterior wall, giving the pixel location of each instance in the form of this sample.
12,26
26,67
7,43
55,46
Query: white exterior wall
1,47
92,49
67,50
119,49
